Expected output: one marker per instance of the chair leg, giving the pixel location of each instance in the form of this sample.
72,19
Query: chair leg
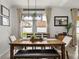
59,57
67,54
25,47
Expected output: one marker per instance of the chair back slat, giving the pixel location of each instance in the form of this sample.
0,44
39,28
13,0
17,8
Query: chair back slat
12,38
67,40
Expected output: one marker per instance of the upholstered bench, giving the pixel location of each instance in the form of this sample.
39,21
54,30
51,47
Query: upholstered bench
47,53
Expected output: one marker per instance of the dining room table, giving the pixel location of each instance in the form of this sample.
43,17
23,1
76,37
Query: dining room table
47,42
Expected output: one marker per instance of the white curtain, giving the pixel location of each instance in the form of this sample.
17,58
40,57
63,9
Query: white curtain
19,19
48,11
74,12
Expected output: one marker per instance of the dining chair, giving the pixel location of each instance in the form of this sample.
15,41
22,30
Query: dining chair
67,40
12,38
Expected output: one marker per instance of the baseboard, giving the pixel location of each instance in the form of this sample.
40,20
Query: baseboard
4,53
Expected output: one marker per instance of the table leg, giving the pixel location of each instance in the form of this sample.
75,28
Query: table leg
63,51
11,52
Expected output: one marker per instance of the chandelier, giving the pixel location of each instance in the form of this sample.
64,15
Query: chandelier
34,14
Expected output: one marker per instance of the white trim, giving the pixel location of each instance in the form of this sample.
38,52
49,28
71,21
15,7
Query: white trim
4,53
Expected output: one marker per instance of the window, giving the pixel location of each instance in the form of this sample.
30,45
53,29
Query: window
42,24
26,26
34,23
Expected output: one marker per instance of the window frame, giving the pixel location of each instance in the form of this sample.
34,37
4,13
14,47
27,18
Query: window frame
34,30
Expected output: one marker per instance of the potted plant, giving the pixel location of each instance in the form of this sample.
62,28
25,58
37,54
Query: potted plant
68,27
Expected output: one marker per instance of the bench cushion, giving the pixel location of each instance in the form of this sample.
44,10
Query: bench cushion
36,53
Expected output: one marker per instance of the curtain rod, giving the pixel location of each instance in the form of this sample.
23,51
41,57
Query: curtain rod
33,9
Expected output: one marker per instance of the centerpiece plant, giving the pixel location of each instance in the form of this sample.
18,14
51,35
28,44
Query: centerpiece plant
33,38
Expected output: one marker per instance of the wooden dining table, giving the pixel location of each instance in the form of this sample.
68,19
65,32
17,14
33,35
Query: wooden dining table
48,42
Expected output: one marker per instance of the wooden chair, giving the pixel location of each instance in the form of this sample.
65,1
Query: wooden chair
12,38
67,40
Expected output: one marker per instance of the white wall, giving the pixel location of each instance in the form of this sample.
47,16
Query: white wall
59,12
53,29
4,31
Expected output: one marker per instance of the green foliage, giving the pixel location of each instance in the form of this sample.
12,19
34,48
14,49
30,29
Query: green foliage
68,27
34,15
34,36
24,34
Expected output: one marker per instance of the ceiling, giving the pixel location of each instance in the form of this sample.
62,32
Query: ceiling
46,3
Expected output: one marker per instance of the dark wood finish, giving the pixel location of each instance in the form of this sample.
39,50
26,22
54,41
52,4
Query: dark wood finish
63,51
67,54
49,43
34,9
11,52
46,53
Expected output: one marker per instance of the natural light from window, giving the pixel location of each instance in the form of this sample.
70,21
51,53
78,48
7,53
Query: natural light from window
31,24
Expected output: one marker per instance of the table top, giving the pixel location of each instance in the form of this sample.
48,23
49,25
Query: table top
45,42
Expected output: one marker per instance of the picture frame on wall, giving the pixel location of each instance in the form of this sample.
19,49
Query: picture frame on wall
60,20
5,16
5,11
5,21
0,20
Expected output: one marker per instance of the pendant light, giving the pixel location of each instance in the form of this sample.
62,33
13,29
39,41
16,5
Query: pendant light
28,8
